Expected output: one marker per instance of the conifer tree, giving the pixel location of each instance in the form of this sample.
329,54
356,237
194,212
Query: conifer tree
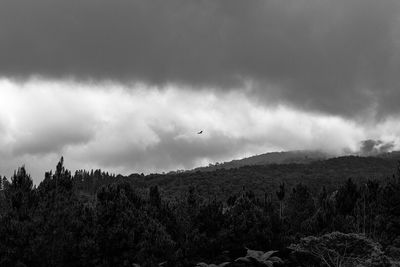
281,196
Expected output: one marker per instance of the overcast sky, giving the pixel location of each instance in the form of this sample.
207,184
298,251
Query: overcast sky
125,85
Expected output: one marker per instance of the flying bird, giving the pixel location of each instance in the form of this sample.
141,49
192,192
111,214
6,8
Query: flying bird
200,132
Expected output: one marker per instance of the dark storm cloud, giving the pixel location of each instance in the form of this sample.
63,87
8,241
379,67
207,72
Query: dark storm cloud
373,147
338,57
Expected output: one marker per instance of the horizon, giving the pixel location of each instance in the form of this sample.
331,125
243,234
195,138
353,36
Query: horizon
366,150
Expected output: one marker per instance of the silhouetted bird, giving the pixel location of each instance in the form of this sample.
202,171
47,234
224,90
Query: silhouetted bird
200,132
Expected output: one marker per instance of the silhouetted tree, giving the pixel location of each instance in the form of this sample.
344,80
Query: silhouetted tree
300,208
247,225
16,228
281,196
390,212
154,195
346,197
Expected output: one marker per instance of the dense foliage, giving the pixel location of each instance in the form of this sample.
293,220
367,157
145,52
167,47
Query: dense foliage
223,183
97,219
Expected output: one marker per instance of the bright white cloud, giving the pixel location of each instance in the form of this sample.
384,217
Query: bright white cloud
148,129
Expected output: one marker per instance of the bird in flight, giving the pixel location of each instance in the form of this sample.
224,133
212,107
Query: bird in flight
200,132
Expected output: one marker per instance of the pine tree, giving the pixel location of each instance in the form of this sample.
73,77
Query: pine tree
154,195
6,183
281,196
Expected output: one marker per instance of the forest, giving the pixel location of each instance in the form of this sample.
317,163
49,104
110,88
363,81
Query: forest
338,212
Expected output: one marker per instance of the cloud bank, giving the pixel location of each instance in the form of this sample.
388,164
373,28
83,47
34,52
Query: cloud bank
150,129
336,57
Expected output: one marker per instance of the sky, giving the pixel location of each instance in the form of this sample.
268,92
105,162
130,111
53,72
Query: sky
125,85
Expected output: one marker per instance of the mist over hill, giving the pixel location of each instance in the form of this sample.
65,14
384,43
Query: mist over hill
368,148
283,157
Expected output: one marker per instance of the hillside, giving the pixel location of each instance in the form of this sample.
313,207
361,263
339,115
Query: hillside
284,157
266,178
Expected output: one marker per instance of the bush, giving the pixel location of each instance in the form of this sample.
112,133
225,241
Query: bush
339,249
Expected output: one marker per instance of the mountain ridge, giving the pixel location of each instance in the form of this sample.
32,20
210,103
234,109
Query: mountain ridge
279,157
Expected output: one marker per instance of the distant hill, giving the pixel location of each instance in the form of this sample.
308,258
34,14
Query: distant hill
222,183
261,173
286,157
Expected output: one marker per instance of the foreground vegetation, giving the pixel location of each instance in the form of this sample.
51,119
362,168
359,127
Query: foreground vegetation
97,219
